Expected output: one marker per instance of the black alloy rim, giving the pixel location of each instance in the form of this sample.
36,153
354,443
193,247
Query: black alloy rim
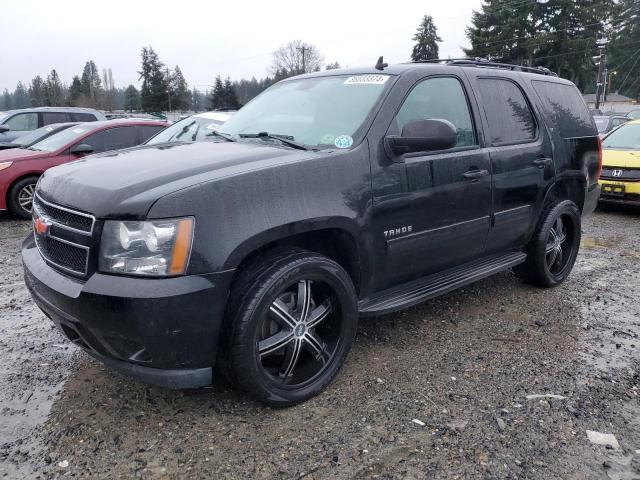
299,335
559,247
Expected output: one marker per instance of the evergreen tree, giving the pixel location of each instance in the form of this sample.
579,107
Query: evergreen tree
154,92
54,91
230,96
625,49
217,97
180,95
91,84
198,100
7,100
75,91
20,96
37,92
131,99
426,39
333,66
557,34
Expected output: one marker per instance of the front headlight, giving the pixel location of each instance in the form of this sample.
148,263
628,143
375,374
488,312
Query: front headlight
4,165
152,247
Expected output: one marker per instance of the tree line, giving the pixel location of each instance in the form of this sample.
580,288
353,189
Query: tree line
557,34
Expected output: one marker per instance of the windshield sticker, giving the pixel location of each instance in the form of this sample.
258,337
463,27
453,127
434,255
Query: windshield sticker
366,80
77,130
48,129
327,139
343,141
212,126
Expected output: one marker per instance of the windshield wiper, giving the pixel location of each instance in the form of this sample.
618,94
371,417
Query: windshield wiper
215,133
279,137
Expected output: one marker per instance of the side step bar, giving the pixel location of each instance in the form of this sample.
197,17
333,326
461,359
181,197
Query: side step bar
431,286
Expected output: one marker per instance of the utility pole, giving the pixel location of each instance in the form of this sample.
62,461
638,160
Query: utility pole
600,81
304,49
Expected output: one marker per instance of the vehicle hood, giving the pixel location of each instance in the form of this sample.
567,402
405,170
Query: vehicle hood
13,154
621,158
125,184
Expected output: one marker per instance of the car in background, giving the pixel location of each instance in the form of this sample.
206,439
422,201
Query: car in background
35,136
20,168
606,123
620,177
14,123
634,114
192,129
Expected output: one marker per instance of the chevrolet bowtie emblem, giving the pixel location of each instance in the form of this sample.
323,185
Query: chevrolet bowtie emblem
41,226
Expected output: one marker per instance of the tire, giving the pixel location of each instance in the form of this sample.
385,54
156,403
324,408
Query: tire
293,320
20,196
552,251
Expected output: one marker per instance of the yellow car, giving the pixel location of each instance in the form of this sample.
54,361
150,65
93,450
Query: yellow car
620,177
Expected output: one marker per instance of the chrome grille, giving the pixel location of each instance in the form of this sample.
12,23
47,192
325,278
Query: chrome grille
65,242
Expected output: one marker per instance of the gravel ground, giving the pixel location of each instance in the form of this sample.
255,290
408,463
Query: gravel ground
437,391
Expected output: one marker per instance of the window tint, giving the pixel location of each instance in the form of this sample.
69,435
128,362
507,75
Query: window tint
54,117
83,117
508,113
112,139
564,107
23,122
439,98
148,131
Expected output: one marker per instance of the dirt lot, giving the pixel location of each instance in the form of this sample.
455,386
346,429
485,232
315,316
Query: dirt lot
462,366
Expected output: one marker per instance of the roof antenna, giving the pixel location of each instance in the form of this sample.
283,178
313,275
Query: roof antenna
381,65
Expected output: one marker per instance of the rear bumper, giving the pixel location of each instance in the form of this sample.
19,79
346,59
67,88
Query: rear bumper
161,331
591,200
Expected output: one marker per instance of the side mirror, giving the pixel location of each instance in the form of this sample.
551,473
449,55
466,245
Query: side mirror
423,136
81,149
4,128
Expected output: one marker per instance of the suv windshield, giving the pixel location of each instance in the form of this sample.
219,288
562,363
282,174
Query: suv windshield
60,139
318,111
190,129
627,137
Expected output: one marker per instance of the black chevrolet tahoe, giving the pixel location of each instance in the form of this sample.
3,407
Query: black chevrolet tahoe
331,196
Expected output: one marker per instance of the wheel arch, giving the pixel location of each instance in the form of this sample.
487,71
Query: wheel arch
336,238
11,183
569,187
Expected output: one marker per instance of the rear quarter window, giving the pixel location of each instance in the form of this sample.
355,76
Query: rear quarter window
565,109
83,117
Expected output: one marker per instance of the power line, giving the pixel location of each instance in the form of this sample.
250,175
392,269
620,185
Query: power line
629,72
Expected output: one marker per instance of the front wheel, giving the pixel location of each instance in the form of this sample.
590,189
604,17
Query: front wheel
294,323
554,247
21,196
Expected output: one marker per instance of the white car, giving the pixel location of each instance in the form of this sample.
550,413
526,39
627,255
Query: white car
192,129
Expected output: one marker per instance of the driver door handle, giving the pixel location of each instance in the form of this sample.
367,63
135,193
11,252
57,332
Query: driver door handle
542,162
475,174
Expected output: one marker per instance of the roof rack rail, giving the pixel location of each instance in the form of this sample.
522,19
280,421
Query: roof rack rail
483,62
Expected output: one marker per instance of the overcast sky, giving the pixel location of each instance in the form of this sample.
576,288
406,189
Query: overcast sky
207,38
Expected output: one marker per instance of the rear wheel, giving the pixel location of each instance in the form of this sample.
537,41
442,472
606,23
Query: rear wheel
554,247
20,196
294,323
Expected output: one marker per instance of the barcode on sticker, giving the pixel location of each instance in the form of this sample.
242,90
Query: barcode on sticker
366,80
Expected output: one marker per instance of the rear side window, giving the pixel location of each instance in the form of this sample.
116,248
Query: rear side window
54,117
148,131
23,122
565,109
439,98
112,139
83,117
508,113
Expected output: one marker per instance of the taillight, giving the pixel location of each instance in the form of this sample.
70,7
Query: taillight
599,157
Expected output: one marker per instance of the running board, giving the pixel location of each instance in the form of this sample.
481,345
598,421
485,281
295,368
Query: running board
431,286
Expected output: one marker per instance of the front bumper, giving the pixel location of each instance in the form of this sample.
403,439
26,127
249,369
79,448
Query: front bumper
631,193
161,331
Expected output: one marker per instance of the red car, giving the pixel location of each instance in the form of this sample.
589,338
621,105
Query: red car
21,167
